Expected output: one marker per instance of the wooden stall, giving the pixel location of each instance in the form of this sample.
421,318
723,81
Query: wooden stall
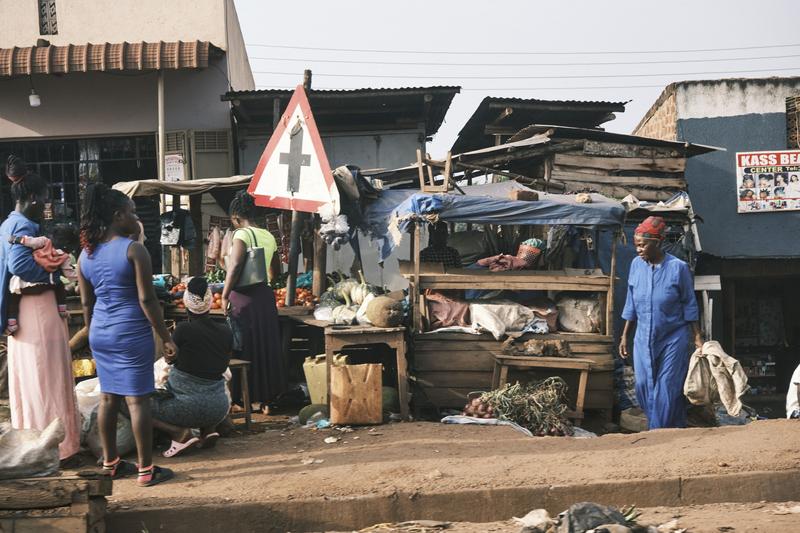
447,366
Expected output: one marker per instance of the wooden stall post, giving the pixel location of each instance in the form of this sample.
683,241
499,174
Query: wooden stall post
196,260
415,302
421,169
320,260
611,275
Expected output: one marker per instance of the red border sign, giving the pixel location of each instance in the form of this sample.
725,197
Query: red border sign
293,202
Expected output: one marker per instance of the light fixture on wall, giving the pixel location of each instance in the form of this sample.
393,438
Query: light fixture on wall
34,99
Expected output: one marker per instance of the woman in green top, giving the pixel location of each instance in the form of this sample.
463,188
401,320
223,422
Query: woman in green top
252,309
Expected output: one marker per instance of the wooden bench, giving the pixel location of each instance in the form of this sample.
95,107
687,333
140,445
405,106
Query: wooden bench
239,365
503,362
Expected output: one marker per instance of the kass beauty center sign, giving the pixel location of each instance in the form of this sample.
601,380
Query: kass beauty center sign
768,181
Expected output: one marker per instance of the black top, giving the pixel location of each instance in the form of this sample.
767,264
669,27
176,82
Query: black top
204,347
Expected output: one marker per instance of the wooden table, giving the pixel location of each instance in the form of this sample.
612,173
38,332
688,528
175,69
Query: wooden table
503,362
337,337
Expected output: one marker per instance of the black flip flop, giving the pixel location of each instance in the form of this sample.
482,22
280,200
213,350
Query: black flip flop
160,475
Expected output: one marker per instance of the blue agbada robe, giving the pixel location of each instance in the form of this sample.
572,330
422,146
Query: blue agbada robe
661,300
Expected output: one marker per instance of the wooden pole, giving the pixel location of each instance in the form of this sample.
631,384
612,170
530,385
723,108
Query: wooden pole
612,275
297,227
196,259
416,326
320,260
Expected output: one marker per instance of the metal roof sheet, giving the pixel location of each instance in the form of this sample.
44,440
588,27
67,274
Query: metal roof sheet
105,57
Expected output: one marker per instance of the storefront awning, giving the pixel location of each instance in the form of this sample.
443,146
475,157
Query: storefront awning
105,57
190,187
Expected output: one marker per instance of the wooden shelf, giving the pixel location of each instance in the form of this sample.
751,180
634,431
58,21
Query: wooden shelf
516,280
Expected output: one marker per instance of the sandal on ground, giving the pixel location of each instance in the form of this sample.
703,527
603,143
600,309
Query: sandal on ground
120,469
153,476
176,448
209,441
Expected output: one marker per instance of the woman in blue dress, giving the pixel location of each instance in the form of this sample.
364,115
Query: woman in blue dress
120,307
662,305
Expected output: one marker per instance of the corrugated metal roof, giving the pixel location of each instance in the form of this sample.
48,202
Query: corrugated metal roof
239,95
367,109
104,57
511,114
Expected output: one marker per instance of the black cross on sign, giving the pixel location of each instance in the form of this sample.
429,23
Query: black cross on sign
295,159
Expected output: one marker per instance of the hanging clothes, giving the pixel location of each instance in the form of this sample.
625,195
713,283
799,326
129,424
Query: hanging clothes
177,229
661,300
715,376
214,243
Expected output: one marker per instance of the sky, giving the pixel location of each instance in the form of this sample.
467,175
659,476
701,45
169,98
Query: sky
616,50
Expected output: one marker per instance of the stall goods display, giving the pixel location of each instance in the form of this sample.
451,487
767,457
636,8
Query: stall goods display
360,291
301,297
384,312
538,407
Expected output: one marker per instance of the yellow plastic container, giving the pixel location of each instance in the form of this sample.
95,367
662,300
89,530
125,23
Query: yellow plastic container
317,376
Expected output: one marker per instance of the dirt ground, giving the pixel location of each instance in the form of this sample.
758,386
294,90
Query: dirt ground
286,464
717,518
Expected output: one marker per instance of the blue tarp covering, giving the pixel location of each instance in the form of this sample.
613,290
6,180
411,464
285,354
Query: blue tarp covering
487,208
550,209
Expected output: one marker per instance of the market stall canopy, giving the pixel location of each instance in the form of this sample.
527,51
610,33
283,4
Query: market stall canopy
187,188
486,204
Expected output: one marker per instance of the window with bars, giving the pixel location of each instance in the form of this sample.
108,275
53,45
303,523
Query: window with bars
68,165
48,25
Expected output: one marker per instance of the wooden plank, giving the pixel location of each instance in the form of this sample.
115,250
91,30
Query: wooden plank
356,394
622,181
499,285
676,164
532,275
50,492
707,283
613,191
458,379
607,149
571,337
453,361
66,524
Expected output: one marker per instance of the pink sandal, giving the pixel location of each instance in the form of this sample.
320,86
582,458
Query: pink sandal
176,448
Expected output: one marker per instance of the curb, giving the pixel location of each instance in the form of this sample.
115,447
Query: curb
474,505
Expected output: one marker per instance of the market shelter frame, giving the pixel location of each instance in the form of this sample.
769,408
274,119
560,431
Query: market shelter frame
448,365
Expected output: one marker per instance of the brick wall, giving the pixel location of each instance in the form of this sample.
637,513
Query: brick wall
793,122
662,122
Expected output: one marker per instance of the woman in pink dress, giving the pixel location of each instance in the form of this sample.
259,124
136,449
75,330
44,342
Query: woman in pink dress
40,382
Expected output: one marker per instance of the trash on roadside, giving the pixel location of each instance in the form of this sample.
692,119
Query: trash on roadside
536,521
331,440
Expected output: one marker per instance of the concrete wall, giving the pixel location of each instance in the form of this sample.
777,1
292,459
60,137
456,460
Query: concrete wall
240,73
379,150
738,115
729,98
105,104
712,187
662,123
94,21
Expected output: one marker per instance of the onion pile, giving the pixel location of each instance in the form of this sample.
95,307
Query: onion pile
478,409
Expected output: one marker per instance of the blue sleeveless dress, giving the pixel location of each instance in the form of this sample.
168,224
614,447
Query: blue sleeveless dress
120,336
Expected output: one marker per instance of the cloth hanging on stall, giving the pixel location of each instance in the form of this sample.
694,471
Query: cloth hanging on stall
177,229
214,243
715,375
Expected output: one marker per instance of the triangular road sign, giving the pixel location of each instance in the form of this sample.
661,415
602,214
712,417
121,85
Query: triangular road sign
293,172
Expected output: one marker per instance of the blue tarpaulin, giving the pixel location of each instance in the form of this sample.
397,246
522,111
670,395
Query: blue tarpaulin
488,208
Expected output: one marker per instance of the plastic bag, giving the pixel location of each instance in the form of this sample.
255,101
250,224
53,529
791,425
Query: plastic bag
30,452
87,393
